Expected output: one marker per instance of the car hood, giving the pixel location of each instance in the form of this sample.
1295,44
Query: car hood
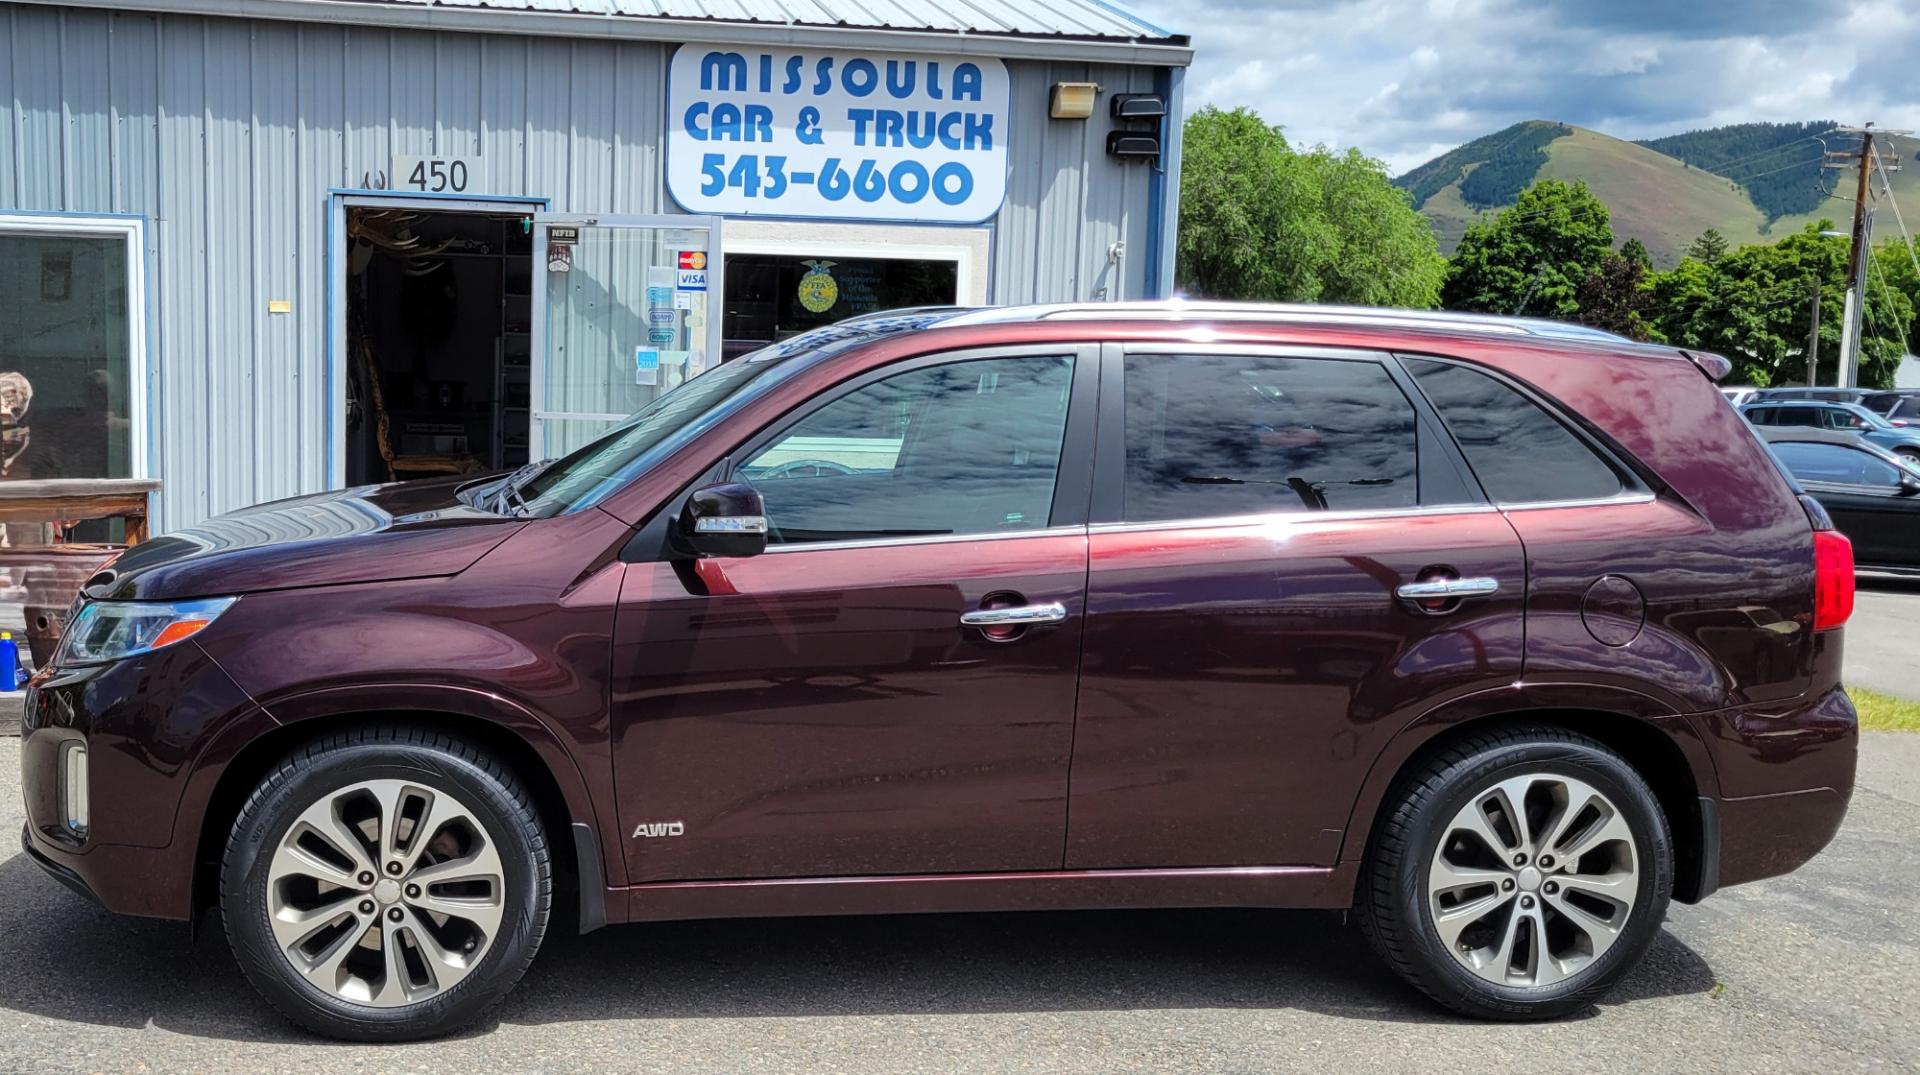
373,533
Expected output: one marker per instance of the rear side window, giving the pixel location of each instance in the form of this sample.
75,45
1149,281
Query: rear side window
1520,452
1760,416
1906,407
1222,435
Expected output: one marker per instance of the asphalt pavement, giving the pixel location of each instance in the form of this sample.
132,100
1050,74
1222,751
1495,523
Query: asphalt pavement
1883,637
1813,972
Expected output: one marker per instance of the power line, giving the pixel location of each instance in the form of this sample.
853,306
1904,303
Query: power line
1887,185
1771,171
1880,277
1782,147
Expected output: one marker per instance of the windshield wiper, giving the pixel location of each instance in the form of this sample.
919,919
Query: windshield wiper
507,494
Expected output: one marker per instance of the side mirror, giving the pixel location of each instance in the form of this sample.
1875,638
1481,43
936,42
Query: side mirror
728,519
1910,485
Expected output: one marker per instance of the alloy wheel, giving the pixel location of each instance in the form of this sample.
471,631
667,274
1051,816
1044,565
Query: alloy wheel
1533,880
385,892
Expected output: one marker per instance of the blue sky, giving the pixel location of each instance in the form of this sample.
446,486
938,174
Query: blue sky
1407,79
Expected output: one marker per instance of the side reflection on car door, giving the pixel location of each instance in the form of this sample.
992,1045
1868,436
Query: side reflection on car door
889,689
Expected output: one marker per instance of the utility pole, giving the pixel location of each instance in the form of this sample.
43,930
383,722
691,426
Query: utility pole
1813,338
1857,260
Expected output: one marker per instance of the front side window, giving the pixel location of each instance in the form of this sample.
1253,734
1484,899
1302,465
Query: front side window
67,324
1840,418
970,447
1836,463
1520,452
1211,436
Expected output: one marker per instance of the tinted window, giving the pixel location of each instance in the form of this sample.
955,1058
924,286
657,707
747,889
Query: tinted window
1907,407
1760,416
1836,463
961,448
1520,453
1221,435
1796,416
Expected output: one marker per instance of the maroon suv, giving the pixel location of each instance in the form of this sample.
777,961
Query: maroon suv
1500,633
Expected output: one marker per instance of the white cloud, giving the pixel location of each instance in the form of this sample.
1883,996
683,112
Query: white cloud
1403,79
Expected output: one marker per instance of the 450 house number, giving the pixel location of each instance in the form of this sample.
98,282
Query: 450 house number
431,175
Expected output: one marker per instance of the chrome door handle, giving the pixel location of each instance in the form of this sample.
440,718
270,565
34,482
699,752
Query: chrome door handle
1017,616
1443,589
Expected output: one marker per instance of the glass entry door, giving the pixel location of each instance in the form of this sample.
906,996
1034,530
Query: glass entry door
624,308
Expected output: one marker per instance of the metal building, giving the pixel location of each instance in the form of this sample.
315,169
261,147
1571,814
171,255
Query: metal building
257,248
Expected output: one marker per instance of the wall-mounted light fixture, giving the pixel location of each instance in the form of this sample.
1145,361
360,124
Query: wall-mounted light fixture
1074,100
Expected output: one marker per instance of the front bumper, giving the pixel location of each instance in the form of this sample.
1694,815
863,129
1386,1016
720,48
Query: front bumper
146,723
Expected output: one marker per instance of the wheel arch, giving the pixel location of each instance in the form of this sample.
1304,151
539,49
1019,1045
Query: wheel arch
1661,745
521,741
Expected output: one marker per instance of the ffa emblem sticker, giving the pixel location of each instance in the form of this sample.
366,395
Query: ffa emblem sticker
818,289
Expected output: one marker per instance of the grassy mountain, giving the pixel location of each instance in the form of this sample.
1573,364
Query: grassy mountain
1754,182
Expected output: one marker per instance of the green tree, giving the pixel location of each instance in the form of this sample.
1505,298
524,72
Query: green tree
1385,252
1261,221
1636,251
1532,257
1753,306
1710,247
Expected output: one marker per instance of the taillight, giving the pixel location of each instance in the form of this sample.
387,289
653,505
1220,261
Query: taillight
1832,579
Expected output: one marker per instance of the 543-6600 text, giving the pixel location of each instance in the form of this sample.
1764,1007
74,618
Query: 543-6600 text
769,176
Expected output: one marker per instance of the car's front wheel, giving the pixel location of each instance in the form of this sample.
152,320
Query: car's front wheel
386,884
1519,874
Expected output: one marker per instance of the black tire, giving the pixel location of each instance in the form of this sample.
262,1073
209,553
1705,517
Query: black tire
1393,905
442,763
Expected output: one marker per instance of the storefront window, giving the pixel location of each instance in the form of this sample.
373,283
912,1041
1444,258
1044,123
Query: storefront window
64,356
771,297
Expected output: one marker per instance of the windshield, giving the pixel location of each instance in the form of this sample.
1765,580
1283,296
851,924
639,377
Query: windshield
592,472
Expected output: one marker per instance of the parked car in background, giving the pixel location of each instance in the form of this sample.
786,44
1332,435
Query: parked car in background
1889,403
1117,605
1872,494
1835,418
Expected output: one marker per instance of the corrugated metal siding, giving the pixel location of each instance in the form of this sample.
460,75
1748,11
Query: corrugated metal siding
227,135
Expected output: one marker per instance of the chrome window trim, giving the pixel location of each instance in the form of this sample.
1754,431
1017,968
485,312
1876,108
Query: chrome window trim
1635,496
927,539
1289,517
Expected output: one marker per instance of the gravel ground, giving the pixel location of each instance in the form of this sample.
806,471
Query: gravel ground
1814,972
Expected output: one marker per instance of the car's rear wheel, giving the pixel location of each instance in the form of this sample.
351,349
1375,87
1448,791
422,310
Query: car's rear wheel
1518,875
386,884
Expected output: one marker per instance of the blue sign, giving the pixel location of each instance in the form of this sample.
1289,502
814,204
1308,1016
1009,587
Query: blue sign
837,134
659,296
662,335
658,316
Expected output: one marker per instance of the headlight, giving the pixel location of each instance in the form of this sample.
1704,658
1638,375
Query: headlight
110,630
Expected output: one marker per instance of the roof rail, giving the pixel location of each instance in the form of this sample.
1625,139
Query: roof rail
1448,320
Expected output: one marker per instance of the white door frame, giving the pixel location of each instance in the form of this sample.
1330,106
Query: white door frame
970,249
